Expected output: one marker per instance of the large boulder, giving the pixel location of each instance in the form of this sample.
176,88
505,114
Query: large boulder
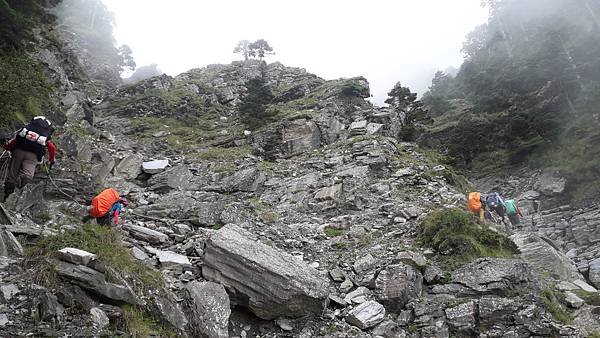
396,285
249,179
130,166
208,309
545,258
288,139
494,276
271,283
550,183
176,178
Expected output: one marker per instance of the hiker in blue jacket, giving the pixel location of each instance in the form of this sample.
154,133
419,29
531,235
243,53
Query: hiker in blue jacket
495,203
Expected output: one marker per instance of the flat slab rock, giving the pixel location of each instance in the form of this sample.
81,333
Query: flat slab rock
75,256
155,167
272,283
366,315
145,234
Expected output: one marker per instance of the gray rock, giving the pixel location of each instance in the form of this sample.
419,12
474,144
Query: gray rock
273,283
497,309
155,167
573,300
544,258
358,127
285,324
329,193
9,291
94,281
433,274
170,310
9,244
170,258
494,276
99,318
337,274
176,178
413,258
145,234
374,128
4,320
75,256
396,285
366,315
594,273
550,183
139,254
338,300
358,296
462,316
365,264
248,180
130,166
208,309
49,308
346,285
584,286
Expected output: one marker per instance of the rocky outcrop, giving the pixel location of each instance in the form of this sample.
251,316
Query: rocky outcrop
397,285
269,282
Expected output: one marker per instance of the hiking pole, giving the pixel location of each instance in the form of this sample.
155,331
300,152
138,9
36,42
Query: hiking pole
56,186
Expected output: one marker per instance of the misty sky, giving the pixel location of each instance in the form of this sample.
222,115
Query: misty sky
385,41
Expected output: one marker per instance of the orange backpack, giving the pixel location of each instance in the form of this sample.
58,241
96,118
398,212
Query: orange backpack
102,203
474,202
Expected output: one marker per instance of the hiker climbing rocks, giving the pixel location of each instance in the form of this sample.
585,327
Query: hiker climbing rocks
27,148
513,211
106,207
476,204
494,202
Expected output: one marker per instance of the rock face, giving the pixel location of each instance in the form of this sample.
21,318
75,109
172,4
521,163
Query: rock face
208,309
270,283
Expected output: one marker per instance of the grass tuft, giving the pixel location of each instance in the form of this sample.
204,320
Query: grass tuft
552,304
459,239
139,324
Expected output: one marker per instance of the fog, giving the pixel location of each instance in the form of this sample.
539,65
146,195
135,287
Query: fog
385,41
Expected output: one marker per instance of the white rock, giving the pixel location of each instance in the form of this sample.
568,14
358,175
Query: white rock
366,315
573,300
169,258
139,254
3,320
155,167
584,286
8,291
76,256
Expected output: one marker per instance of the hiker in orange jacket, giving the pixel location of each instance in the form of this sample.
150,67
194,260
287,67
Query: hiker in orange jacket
106,207
476,204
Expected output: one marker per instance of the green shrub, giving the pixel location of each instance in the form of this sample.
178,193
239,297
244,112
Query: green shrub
457,236
552,304
591,298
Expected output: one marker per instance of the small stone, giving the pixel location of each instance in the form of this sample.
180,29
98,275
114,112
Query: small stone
139,254
161,133
8,291
365,264
573,300
346,285
366,315
314,265
338,300
285,324
170,258
567,286
3,320
337,275
99,318
358,294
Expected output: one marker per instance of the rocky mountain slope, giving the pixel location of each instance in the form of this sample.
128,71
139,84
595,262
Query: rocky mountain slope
312,225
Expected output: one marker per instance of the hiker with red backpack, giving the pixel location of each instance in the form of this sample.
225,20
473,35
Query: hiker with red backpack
106,207
28,148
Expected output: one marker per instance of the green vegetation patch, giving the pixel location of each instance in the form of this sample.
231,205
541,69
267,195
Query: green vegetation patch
24,90
102,241
140,324
552,304
332,232
223,154
459,239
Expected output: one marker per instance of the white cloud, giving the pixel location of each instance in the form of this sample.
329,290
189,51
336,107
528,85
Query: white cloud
385,41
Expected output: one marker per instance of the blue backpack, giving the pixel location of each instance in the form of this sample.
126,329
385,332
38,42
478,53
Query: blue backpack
492,200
